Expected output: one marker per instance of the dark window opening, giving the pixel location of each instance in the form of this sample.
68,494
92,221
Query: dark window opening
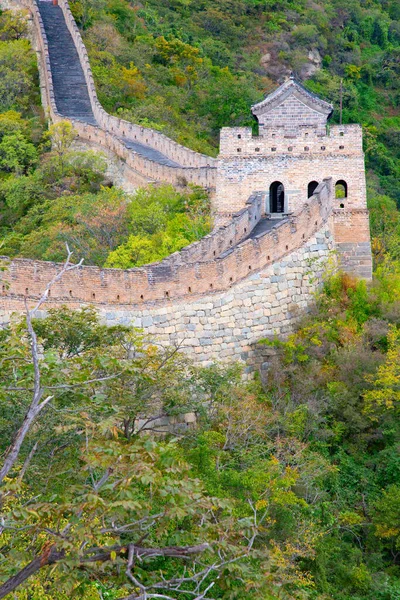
276,197
312,186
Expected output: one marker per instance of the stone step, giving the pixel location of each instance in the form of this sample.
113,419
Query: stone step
70,88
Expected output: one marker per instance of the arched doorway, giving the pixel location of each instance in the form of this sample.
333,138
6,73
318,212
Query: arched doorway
276,197
312,186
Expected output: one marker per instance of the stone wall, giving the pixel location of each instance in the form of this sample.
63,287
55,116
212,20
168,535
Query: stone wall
248,163
157,140
292,114
291,108
138,170
221,326
352,237
215,309
172,278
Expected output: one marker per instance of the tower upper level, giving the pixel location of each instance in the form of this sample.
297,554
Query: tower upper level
290,109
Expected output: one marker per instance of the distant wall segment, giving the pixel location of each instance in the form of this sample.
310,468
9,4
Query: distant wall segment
138,170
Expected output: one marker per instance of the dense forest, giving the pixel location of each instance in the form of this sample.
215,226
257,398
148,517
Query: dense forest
288,486
187,69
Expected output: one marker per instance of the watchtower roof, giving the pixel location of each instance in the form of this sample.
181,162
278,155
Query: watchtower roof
290,109
293,88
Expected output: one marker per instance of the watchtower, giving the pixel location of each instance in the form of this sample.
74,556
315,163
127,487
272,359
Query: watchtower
296,149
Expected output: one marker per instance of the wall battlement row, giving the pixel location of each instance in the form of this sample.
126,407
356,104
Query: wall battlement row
145,135
338,139
224,237
172,279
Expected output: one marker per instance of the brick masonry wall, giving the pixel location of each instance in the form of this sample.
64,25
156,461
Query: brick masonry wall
221,326
250,162
292,161
173,278
291,114
352,237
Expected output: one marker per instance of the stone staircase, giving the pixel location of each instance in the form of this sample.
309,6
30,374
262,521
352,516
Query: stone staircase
70,89
69,83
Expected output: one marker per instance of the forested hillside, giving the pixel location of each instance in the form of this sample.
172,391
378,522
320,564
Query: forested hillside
288,486
188,69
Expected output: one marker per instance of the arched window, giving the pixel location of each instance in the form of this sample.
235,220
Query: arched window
341,189
312,186
276,197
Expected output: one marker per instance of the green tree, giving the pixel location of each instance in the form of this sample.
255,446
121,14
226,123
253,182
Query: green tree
17,154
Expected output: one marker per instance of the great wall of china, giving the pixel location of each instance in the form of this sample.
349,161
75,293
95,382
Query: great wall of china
274,201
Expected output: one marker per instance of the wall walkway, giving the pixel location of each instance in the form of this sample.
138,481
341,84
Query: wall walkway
68,91
217,307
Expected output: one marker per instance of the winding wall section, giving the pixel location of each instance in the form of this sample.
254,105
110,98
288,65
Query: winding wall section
247,279
147,155
215,307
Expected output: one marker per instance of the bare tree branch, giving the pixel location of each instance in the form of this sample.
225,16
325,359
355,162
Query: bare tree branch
52,556
37,404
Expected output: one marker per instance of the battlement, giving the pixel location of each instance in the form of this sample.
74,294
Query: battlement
181,275
339,140
214,308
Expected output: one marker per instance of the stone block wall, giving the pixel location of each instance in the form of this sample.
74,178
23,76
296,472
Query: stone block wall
291,114
248,163
221,326
224,238
172,278
233,139
215,309
352,237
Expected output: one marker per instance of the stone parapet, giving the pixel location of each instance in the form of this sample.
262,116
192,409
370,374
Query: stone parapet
195,167
340,140
122,128
223,326
173,278
223,238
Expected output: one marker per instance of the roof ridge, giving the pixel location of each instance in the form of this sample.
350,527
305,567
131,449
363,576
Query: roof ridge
291,83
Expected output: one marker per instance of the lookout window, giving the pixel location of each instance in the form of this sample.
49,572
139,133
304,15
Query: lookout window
341,189
276,197
312,186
